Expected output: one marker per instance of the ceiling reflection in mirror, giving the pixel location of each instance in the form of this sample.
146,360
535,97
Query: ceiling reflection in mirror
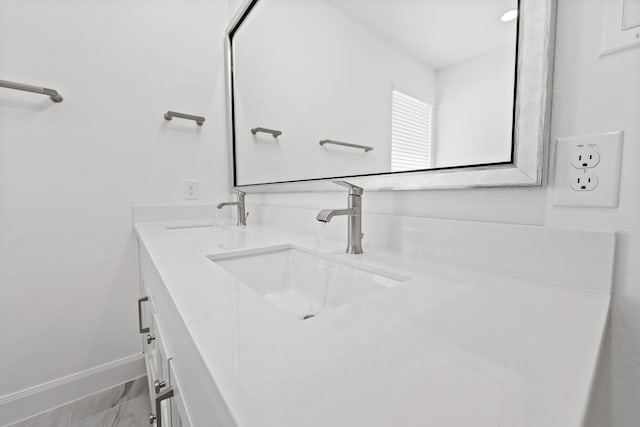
338,88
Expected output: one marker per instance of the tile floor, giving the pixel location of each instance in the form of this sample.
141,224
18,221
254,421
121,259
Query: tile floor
125,405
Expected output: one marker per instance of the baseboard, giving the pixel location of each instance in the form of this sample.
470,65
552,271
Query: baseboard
34,400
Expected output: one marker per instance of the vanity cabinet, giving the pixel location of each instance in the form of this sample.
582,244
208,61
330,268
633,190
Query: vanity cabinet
179,415
180,384
161,381
224,349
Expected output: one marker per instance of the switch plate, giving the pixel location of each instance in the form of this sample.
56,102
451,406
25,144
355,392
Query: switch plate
605,172
621,29
191,190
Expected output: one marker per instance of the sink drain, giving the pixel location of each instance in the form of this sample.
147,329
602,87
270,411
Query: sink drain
308,316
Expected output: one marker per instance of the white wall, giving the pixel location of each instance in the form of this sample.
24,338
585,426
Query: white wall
591,95
70,172
474,110
341,92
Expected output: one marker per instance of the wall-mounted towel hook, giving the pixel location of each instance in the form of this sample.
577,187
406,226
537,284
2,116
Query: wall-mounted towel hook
171,114
273,132
346,144
51,93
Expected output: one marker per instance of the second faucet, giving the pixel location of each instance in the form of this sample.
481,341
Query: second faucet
242,215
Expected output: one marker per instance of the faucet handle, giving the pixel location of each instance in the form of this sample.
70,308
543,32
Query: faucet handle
238,192
353,189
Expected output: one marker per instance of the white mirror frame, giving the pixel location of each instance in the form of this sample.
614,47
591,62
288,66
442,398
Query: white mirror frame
536,42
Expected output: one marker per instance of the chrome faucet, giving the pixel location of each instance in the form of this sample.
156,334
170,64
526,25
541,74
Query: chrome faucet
354,212
242,215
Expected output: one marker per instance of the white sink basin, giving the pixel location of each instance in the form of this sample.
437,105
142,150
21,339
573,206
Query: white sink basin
294,280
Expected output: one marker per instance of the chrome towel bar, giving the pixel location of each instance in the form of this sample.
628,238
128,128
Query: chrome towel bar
53,94
275,133
347,144
171,114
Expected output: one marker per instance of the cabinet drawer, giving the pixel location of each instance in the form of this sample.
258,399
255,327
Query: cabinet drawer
199,402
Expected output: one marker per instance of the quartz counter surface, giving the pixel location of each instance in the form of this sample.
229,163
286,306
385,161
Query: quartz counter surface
450,347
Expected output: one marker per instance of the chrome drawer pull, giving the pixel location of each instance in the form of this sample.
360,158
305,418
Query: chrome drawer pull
140,301
164,396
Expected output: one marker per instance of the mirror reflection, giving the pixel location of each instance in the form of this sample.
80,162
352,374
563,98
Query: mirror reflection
362,87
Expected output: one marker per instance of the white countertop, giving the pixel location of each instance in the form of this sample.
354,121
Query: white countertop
451,347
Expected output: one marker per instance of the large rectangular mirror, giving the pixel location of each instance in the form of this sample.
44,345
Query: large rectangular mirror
398,94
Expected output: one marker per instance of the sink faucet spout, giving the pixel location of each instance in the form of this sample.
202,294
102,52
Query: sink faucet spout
221,205
354,212
242,214
326,215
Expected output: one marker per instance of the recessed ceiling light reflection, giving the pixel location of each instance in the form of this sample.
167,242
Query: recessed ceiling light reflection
509,15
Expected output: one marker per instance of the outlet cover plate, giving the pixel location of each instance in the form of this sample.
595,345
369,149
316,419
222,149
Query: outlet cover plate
191,189
606,194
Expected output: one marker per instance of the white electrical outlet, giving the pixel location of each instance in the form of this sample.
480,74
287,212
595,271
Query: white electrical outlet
584,181
588,170
585,158
191,191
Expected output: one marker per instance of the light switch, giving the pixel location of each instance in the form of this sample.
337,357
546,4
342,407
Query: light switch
630,14
588,170
621,26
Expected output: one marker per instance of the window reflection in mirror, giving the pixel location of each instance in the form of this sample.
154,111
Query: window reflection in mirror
428,84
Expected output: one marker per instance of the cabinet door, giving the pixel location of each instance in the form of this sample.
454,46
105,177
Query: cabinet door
148,340
179,410
157,352
157,362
